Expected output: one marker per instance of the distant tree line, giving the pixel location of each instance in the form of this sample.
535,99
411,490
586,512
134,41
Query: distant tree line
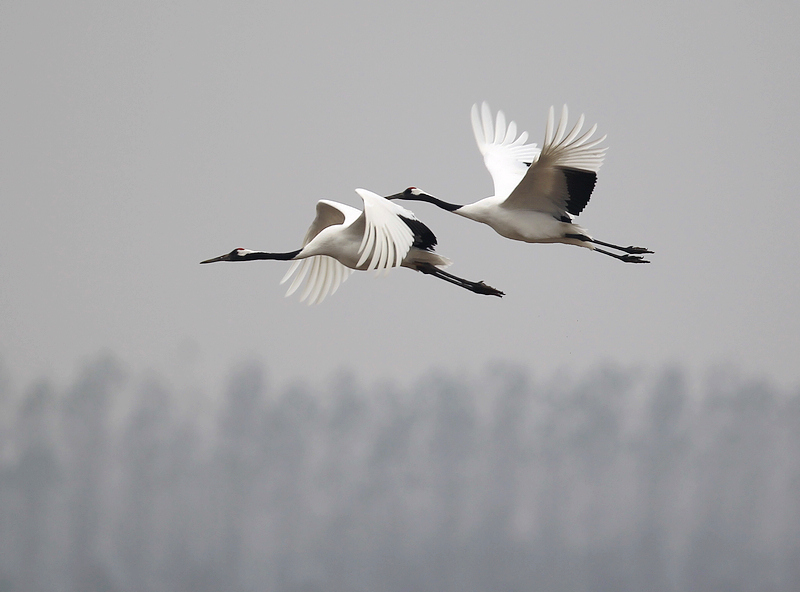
615,481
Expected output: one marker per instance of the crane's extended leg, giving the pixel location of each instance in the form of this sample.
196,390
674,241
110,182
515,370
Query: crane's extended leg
477,287
629,250
631,253
626,258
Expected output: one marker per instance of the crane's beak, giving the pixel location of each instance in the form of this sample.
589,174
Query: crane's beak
215,259
395,196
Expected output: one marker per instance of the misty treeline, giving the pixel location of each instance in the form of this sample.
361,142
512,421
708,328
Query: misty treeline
618,480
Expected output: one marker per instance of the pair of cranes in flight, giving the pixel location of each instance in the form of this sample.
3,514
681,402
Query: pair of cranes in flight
537,195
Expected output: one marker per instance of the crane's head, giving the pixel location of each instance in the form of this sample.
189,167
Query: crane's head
417,194
410,193
235,255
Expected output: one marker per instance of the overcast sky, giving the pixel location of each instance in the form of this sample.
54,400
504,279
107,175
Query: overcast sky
137,139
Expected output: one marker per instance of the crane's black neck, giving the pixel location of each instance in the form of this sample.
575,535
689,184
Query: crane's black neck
410,196
260,255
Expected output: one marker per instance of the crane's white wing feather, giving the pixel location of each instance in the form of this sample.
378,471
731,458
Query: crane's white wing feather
328,214
323,277
323,274
387,239
505,155
544,187
571,151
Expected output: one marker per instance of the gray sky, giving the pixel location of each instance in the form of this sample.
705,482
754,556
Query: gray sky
139,139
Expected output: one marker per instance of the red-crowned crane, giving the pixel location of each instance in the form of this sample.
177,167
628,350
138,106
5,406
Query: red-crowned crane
537,192
342,239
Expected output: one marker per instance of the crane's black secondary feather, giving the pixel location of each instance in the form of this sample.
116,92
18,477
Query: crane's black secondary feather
423,236
580,185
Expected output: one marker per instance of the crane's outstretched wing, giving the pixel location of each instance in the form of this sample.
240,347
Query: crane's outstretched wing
323,277
561,179
323,274
386,237
506,157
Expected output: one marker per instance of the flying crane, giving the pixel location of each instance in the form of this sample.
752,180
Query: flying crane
537,192
343,238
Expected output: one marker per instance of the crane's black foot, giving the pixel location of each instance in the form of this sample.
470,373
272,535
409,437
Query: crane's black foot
481,288
625,258
636,250
633,258
629,250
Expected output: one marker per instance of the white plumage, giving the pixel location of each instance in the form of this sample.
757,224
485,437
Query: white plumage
504,154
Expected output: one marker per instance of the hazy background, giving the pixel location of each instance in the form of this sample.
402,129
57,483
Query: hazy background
614,482
139,139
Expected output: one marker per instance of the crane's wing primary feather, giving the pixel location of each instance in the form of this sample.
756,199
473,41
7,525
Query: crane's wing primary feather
323,277
561,179
323,274
505,155
387,239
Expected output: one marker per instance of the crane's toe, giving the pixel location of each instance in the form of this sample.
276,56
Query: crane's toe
634,259
637,250
482,288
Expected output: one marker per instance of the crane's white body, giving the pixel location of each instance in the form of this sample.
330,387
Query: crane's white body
520,224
